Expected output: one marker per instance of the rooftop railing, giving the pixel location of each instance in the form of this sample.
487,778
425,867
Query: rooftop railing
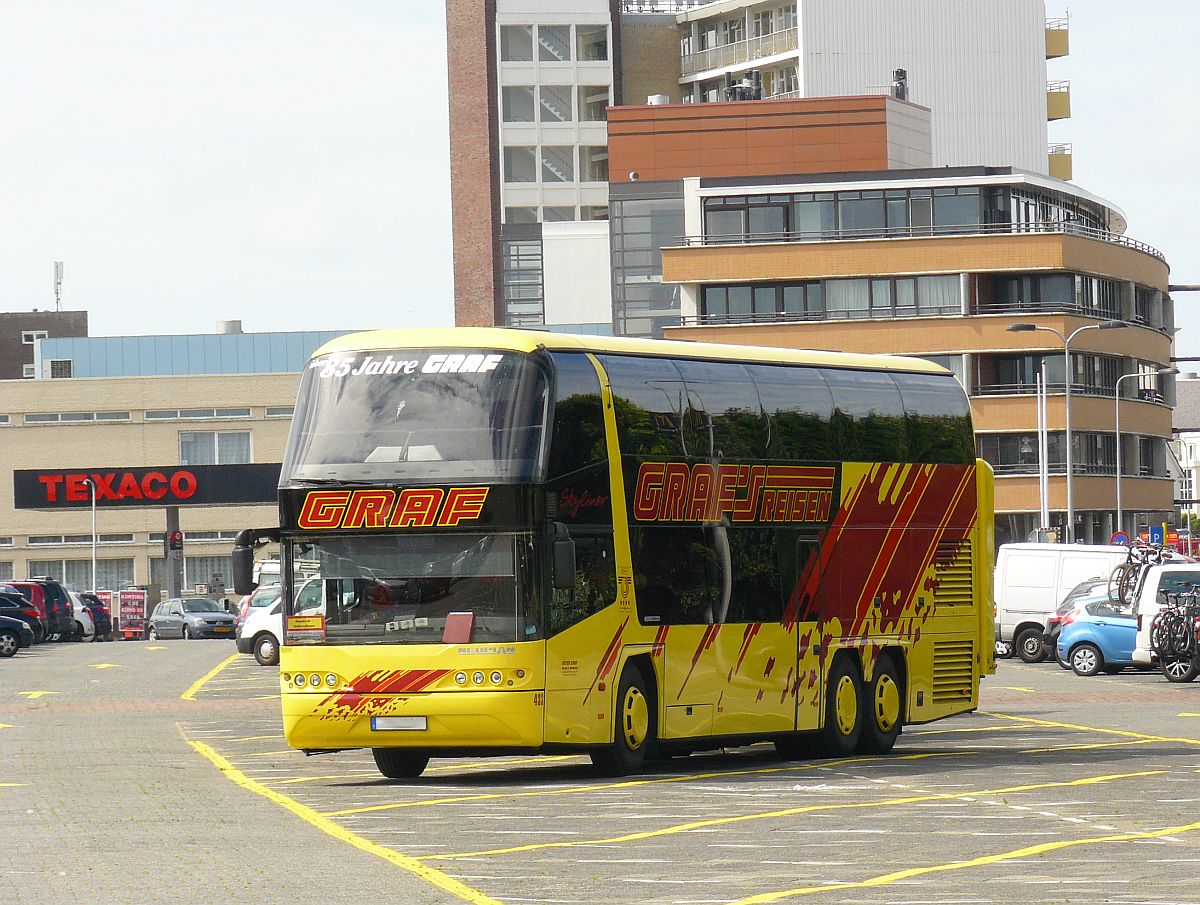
739,51
909,232
662,7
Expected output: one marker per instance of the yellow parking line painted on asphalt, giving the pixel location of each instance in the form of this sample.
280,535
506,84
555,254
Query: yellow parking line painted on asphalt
790,812
269,753
1123,732
190,694
430,875
630,783
911,734
1017,688
107,666
296,779
1132,741
1189,714
6,726
896,876
156,647
257,738
32,695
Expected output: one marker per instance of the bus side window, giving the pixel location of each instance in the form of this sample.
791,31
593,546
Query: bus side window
650,403
725,419
677,576
577,440
868,417
756,595
797,406
937,418
595,582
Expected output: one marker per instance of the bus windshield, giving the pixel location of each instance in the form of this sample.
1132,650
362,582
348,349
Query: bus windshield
416,589
419,416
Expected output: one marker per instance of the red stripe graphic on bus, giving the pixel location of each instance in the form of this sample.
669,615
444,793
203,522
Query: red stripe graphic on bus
747,637
899,516
706,641
609,660
372,690
660,641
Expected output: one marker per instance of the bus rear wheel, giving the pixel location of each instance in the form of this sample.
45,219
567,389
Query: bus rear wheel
843,708
636,726
400,763
884,703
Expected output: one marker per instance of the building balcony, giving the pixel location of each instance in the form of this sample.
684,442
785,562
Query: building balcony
1059,162
1058,37
1058,100
692,64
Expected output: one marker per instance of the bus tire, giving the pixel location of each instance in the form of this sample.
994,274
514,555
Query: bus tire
400,763
635,720
883,704
843,708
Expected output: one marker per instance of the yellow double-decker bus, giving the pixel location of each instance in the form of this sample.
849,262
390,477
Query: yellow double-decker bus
500,541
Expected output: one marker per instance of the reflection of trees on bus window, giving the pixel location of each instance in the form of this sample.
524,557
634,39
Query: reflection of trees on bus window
595,581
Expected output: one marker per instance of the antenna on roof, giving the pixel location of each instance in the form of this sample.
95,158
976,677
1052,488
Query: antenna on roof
58,285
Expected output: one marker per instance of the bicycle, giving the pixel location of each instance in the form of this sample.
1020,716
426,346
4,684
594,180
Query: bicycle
1125,581
1175,636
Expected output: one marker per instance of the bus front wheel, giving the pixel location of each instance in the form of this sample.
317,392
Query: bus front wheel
635,728
884,703
400,763
843,708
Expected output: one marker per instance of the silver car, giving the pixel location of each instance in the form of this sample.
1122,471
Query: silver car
189,617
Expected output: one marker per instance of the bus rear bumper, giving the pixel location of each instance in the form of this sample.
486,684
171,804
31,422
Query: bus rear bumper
456,719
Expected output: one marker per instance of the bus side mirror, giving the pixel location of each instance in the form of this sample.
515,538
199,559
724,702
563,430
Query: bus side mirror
243,556
564,558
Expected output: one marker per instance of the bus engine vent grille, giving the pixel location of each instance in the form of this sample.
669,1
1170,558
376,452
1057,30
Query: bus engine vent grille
952,570
953,670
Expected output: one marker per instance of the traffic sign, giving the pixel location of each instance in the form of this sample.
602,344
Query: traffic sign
1120,538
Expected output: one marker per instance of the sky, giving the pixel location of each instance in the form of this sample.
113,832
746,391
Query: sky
286,162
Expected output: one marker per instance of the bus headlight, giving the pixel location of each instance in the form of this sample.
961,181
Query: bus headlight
315,681
497,678
460,678
331,680
477,678
300,680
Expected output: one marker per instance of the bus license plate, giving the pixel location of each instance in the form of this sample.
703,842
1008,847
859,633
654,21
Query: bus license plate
392,723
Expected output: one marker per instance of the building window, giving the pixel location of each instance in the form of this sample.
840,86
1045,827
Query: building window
555,103
520,165
517,103
196,414
516,43
593,103
214,447
557,214
5,420
280,411
591,42
554,43
201,569
42,418
589,212
762,23
29,337
558,163
28,372
521,282
6,571
593,163
111,574
6,541
520,215
61,367
853,299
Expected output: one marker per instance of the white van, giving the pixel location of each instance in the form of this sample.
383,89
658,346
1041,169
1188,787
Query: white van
1032,579
1168,578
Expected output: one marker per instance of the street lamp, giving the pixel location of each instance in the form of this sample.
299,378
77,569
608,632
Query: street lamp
1066,341
92,492
1117,427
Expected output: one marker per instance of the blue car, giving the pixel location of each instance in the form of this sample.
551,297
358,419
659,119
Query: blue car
1100,637
14,634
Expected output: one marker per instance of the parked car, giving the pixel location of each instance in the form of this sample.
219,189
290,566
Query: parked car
1084,592
85,626
100,616
15,606
189,617
261,631
262,596
1031,581
14,634
52,602
1157,584
1099,638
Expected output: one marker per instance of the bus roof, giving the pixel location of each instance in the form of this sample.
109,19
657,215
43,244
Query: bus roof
530,340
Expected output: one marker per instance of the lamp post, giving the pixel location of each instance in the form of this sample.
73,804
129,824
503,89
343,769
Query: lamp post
1117,427
1066,341
92,493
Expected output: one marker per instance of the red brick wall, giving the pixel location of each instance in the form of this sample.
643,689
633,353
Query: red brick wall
474,139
